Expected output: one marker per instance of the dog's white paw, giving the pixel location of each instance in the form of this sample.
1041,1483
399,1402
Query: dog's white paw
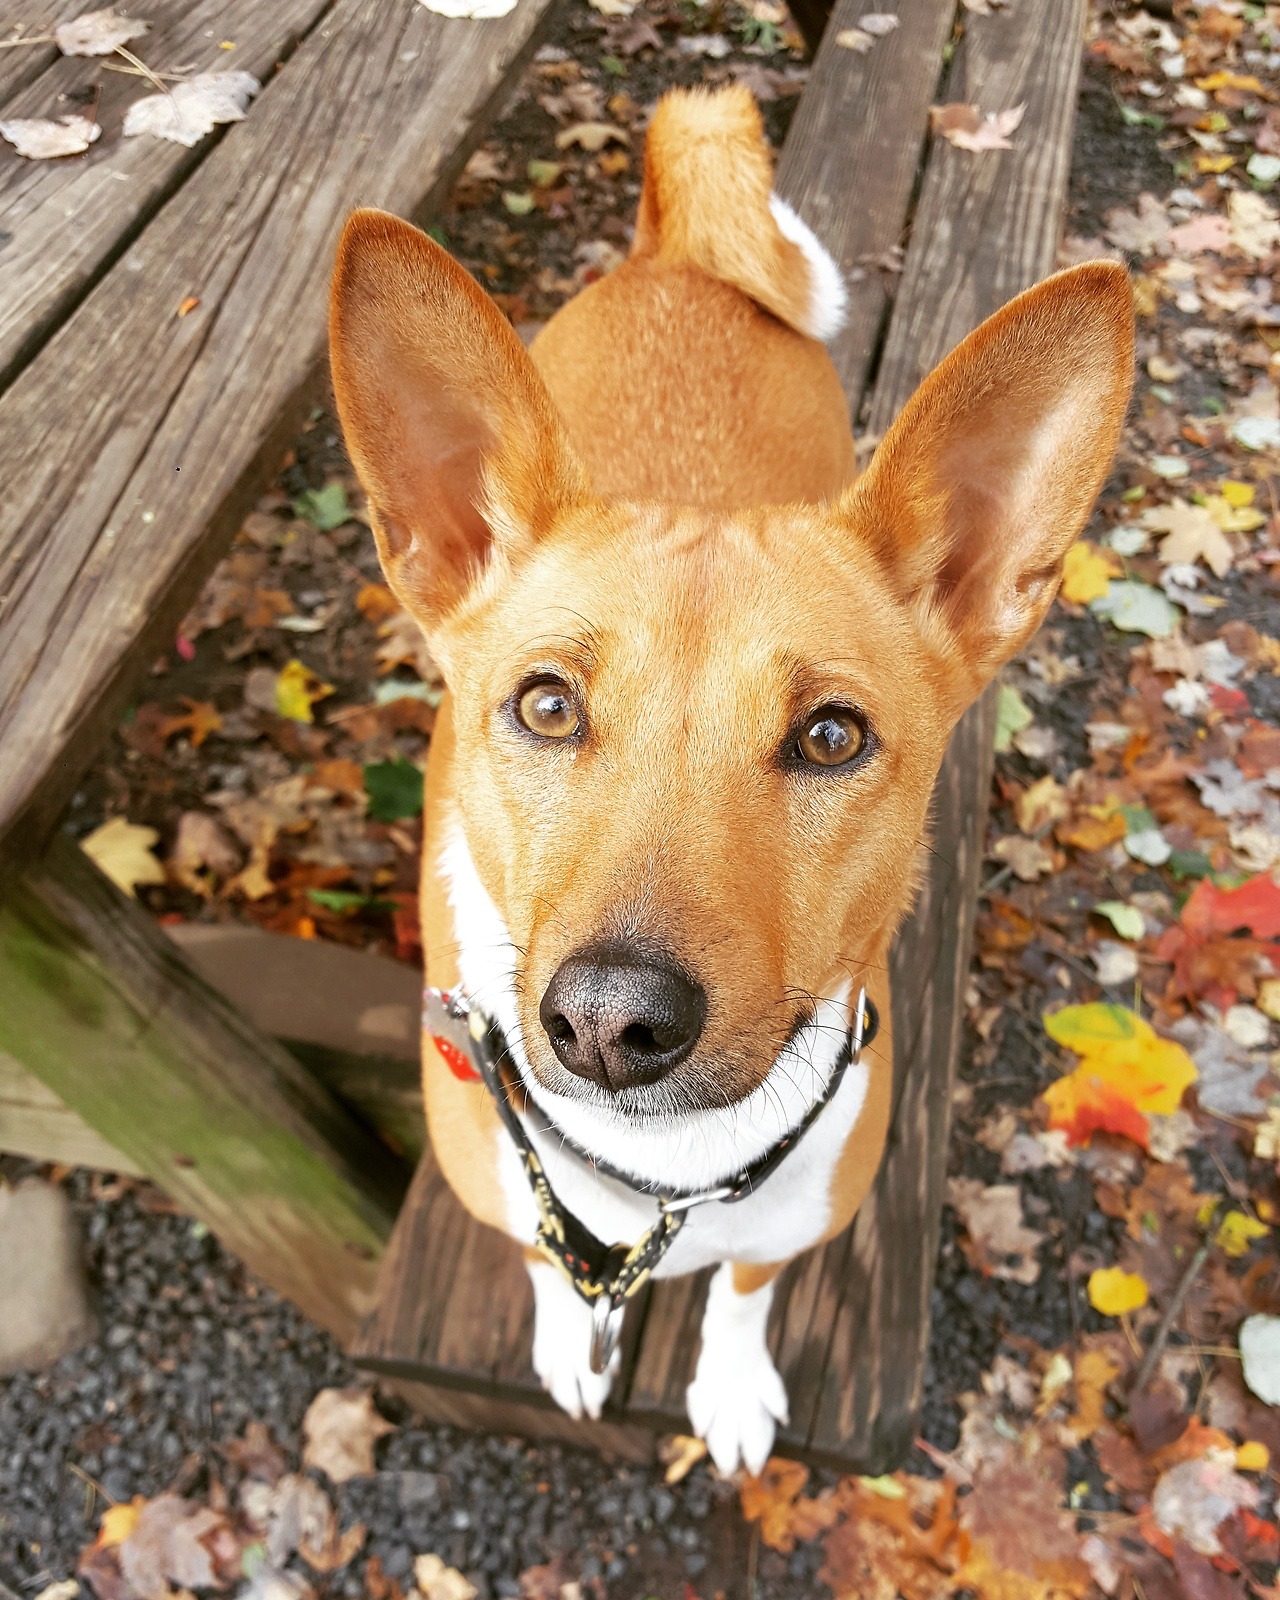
562,1344
737,1397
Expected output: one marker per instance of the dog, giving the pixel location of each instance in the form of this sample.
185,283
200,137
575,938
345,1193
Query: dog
700,679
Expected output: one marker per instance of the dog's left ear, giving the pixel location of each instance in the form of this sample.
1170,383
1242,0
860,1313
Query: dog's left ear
451,430
990,472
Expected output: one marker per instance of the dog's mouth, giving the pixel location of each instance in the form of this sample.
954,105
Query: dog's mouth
709,1118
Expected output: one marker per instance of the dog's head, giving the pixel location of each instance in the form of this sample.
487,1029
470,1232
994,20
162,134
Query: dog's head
698,747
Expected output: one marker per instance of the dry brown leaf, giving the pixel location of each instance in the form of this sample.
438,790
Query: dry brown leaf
97,33
1094,1369
436,1581
968,128
42,139
341,1428
405,645
680,1453
999,1243
1029,858
123,850
1043,804
193,108
203,854
592,136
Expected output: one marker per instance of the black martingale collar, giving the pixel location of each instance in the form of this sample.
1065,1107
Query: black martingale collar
606,1276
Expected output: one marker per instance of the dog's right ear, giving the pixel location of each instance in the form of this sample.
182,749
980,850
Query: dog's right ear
449,426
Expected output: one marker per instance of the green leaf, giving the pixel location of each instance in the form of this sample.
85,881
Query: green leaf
1012,715
544,173
394,789
1137,819
614,65
1137,608
325,508
341,900
519,205
1126,920
1190,864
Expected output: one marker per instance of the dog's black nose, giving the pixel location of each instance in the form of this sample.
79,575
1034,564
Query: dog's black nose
620,1017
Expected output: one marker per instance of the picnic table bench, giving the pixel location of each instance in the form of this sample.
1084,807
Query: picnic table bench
132,443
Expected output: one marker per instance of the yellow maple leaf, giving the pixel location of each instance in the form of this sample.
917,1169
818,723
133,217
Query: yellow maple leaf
1236,1232
1127,1073
1214,163
297,690
1113,1291
1236,494
1087,572
123,850
119,1521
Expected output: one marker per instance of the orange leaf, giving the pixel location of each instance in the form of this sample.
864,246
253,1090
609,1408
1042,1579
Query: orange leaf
376,602
1093,829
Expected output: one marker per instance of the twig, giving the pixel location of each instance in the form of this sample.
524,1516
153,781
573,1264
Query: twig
37,38
1170,1316
148,74
753,1553
140,66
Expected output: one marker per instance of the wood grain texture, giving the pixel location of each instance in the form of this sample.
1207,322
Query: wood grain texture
35,1123
120,493
101,1008
986,228
65,221
852,157
22,64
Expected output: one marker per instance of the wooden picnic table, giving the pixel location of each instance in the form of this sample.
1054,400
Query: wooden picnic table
133,440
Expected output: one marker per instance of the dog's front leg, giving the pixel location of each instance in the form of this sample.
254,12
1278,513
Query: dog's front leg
737,1398
562,1342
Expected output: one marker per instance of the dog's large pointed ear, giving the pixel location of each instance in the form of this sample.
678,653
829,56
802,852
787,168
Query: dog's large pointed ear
990,472
450,428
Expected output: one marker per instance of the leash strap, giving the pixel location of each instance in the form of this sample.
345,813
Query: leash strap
605,1276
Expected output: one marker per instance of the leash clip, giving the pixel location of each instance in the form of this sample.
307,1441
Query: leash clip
606,1329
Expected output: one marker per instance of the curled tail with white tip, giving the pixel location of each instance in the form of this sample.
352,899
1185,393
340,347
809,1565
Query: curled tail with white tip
708,200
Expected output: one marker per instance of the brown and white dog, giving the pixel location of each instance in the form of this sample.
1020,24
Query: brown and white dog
700,682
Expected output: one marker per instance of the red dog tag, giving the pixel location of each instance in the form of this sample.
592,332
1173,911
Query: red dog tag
456,1062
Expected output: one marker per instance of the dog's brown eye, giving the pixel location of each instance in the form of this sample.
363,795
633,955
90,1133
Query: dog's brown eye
548,709
831,737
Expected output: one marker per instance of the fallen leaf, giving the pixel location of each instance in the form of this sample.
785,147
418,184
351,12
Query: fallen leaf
123,850
1113,1292
395,790
405,645
1192,1500
1029,858
1143,231
1012,715
1115,964
177,1543
1002,1246
256,1453
97,33
203,853
1043,804
1126,1073
1255,227
1237,1232
1260,1356
1210,231
192,108
679,1454
1127,920
1252,1456
1136,608
296,691
42,139
1087,572
592,136
1191,534
1093,1372
966,127
326,508
1253,906
341,1428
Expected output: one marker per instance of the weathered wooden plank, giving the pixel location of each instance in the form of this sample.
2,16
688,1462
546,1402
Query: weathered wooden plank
21,64
34,1122
100,1007
65,221
852,156
983,231
120,494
